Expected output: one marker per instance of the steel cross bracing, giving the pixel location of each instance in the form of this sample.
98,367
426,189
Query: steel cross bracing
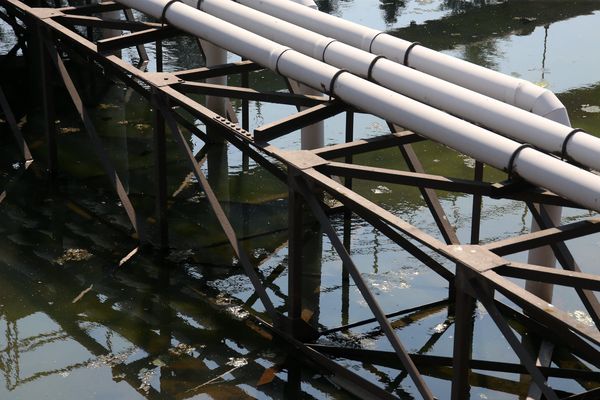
475,273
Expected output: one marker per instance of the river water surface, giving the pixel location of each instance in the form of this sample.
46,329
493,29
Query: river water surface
74,325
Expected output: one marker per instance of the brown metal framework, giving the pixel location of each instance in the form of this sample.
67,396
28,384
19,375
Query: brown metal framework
474,272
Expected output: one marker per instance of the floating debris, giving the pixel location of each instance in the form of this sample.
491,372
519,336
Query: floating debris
111,360
80,295
182,349
145,375
73,255
238,312
260,252
468,162
68,130
157,362
440,328
590,108
381,190
197,198
525,20
142,127
104,106
237,362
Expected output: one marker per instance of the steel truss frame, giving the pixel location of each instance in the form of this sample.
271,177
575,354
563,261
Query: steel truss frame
480,272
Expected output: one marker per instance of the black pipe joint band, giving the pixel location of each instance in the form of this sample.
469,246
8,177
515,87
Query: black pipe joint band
278,58
563,151
408,50
325,49
513,157
372,40
370,70
163,19
333,80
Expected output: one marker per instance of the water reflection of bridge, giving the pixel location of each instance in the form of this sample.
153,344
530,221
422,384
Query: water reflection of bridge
153,306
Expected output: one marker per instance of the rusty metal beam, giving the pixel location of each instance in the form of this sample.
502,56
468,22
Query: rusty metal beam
250,94
544,237
429,195
112,44
550,275
96,22
366,145
218,70
88,9
297,121
437,182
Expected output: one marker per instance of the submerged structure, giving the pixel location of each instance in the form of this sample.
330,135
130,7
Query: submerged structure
331,69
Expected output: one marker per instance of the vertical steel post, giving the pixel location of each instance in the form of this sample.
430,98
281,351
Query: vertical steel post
159,56
295,242
464,308
476,209
245,118
47,101
160,173
347,225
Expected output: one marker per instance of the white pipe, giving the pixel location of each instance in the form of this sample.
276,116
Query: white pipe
517,92
215,56
494,114
538,168
312,136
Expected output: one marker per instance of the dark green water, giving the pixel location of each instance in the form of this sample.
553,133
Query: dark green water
177,328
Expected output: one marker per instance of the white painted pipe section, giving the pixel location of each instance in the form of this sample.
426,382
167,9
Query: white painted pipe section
517,92
494,114
215,56
538,168
312,136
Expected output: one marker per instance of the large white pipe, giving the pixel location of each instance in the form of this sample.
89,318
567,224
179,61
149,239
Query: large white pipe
538,168
494,114
518,92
